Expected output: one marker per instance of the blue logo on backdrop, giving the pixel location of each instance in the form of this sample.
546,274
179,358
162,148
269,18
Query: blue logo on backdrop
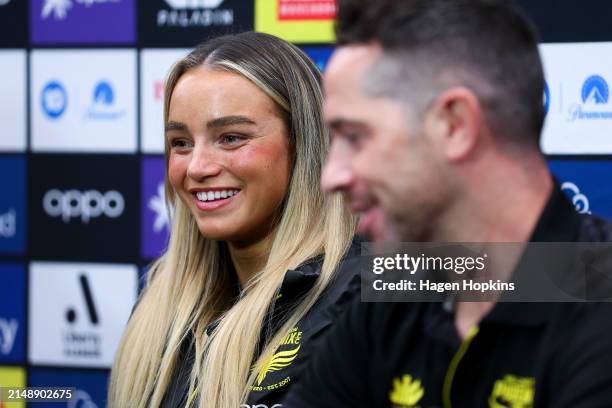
595,96
54,99
586,184
103,94
595,90
12,206
91,387
12,323
546,98
103,103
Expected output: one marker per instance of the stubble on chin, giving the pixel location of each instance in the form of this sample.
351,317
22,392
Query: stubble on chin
407,228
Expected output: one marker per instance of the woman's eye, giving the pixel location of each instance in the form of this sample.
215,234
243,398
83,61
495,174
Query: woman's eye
231,139
180,143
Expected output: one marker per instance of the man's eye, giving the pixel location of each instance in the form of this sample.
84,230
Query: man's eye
353,139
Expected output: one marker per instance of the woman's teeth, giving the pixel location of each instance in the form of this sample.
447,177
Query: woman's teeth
215,195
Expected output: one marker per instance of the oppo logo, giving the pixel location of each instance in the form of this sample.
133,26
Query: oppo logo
84,205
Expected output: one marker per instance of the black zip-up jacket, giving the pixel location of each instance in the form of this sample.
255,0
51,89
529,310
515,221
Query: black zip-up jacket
287,364
521,355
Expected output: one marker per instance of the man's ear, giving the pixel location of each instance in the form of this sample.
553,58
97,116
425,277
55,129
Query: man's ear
455,118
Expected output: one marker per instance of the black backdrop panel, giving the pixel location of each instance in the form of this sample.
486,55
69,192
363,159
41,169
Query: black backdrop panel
570,20
169,23
13,23
84,207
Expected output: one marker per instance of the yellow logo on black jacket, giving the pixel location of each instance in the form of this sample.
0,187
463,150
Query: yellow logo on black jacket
512,392
406,392
278,361
281,359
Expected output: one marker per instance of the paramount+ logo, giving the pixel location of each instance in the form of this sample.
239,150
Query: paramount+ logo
83,205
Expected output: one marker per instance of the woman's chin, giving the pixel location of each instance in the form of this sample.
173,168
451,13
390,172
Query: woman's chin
217,234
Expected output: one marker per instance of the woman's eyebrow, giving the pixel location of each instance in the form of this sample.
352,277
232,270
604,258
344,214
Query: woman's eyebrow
229,120
172,125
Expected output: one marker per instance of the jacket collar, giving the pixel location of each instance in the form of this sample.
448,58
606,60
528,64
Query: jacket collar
300,280
295,284
559,222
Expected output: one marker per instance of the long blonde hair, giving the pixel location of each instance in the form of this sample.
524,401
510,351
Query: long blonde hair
191,285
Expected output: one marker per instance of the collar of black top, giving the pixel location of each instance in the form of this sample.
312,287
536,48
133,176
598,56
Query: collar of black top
559,222
295,284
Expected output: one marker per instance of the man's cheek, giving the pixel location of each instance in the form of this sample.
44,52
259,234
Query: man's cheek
389,195
368,162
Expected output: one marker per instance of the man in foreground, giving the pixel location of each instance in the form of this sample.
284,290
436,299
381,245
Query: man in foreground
436,111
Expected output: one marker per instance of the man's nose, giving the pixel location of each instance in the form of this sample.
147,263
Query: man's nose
204,163
337,173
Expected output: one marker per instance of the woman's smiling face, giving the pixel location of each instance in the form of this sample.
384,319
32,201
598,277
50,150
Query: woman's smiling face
229,154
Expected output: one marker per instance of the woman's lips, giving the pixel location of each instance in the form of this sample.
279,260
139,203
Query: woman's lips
215,204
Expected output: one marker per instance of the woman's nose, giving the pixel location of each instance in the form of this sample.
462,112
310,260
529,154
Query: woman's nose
204,163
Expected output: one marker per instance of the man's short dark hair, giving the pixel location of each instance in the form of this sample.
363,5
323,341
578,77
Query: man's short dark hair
485,45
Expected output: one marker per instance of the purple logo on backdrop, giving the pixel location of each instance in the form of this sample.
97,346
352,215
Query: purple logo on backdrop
155,222
83,21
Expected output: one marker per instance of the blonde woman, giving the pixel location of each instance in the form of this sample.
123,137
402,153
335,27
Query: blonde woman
257,258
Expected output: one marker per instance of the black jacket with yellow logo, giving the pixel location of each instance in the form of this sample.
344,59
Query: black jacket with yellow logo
521,355
285,367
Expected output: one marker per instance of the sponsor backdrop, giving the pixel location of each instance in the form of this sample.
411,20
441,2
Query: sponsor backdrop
82,210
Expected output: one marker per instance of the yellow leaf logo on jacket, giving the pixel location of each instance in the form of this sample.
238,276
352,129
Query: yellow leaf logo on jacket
277,362
284,357
406,392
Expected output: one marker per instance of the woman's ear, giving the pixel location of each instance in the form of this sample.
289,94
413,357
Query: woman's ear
455,122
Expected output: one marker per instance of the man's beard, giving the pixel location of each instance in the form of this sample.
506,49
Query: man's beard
413,226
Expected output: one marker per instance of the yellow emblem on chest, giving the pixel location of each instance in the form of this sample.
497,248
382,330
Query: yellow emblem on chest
512,392
406,392
284,358
277,362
